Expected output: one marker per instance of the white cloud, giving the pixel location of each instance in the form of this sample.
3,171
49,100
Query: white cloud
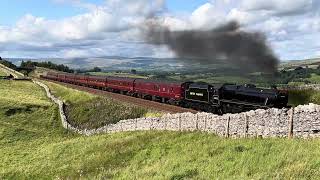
206,16
280,7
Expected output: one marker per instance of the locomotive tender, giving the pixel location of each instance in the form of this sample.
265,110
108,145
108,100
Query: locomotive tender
215,98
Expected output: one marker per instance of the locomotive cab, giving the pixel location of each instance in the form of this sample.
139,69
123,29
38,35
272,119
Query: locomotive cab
202,92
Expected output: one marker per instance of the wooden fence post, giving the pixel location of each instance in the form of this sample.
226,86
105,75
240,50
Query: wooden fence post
165,124
179,122
197,125
205,123
290,124
228,127
136,126
246,124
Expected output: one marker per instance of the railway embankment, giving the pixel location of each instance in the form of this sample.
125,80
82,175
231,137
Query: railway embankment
301,122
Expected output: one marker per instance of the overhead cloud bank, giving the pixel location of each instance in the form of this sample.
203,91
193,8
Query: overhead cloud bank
291,27
245,50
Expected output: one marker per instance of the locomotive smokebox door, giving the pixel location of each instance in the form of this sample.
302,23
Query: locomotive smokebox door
198,92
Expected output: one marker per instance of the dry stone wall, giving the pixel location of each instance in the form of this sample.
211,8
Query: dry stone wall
302,122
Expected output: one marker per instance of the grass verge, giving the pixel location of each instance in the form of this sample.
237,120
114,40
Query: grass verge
3,72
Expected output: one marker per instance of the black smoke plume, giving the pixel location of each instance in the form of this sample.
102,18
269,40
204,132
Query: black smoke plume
245,50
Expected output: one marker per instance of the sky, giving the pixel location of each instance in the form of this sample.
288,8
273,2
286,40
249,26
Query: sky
99,28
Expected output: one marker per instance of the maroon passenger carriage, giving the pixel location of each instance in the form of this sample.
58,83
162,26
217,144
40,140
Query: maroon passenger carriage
69,78
148,89
99,82
81,80
120,85
52,76
158,90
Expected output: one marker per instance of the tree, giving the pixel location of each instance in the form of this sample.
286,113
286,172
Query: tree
96,69
8,64
133,71
0,58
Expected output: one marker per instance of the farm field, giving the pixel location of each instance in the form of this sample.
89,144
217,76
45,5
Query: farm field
33,145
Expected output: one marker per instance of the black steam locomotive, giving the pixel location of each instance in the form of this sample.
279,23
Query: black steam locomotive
231,98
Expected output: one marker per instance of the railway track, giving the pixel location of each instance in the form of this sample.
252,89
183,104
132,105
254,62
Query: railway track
128,99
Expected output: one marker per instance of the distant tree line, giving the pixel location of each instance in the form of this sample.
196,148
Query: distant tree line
46,64
95,69
8,64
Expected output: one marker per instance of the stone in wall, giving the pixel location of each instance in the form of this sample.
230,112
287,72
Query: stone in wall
188,122
256,123
128,125
160,123
202,122
173,122
145,124
237,125
306,121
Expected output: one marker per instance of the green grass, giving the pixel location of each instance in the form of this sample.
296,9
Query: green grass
3,72
315,79
297,97
89,111
33,145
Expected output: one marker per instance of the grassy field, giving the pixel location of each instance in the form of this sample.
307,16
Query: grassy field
89,111
34,146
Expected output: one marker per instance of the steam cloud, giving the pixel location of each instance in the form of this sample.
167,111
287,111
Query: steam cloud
246,50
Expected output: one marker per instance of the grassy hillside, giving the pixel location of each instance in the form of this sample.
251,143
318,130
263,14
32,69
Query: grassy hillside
89,111
34,146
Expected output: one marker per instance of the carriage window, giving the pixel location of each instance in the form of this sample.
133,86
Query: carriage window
171,90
